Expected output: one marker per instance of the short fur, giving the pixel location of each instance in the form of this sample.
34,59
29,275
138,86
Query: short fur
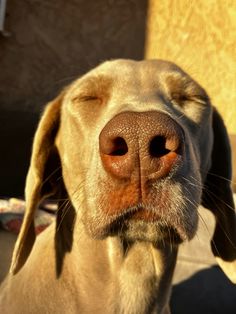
81,263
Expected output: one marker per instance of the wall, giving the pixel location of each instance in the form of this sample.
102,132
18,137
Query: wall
52,42
200,36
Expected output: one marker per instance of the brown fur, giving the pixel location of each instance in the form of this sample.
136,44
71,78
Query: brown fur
81,264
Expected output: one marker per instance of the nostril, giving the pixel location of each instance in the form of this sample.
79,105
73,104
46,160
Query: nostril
119,147
158,146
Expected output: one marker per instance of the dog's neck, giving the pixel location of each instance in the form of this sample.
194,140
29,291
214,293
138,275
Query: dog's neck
145,277
139,273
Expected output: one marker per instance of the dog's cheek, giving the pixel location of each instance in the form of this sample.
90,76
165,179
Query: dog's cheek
201,141
183,215
190,215
187,191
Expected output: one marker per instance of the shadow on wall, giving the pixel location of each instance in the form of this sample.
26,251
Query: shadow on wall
208,291
52,43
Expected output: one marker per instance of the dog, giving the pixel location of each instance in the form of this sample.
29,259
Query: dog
130,150
233,148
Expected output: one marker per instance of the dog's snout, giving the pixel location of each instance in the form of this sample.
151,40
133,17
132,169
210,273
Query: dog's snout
146,144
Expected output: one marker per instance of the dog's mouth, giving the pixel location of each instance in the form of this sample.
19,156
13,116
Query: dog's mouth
160,215
136,229
144,214
141,223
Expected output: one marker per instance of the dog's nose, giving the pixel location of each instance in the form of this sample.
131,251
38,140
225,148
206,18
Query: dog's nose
146,144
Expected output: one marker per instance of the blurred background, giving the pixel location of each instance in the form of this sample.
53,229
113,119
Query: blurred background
44,45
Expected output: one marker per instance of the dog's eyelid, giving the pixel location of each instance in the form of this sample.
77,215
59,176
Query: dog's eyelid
199,99
85,98
182,99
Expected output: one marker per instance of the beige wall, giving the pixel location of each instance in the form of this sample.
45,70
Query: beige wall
200,36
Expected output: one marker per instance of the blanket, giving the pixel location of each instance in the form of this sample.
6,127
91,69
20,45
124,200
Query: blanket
12,212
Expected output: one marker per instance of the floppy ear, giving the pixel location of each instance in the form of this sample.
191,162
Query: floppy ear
43,167
218,198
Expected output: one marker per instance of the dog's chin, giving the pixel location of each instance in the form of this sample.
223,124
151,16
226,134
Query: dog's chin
156,232
137,226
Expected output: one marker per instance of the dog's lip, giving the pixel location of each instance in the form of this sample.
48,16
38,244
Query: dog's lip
137,212
140,211
145,214
170,232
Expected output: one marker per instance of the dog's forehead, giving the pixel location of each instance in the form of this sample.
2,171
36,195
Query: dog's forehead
137,72
128,79
121,66
125,76
137,76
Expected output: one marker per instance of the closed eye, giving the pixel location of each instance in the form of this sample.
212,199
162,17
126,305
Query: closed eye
182,99
200,99
85,98
179,99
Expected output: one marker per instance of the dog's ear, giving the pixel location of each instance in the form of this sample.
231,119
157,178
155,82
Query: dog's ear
218,198
43,169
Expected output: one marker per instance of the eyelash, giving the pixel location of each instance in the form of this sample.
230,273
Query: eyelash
85,98
182,100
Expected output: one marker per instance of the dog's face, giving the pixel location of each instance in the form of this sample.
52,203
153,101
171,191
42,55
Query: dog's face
135,140
139,147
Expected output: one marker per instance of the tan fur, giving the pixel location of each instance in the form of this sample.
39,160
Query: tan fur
74,267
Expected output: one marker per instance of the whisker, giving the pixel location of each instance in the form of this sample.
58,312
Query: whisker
204,223
218,176
51,174
215,197
65,207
